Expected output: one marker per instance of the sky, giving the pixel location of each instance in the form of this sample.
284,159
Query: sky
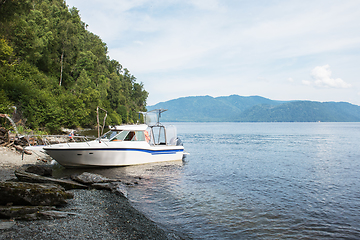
278,49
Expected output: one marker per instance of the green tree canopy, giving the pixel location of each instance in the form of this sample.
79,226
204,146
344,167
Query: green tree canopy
56,72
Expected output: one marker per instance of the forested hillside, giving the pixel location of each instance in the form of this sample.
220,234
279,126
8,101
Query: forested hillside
55,72
236,108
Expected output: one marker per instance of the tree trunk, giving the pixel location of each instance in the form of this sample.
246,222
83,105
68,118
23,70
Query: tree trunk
61,64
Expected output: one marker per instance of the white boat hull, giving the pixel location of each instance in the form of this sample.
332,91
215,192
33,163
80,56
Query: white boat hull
111,154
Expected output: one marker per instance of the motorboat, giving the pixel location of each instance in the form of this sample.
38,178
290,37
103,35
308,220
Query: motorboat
123,145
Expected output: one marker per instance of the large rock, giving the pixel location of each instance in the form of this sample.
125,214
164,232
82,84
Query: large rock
90,178
116,187
34,178
100,182
34,194
42,170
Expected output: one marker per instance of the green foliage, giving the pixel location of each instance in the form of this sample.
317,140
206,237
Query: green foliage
5,103
5,52
56,72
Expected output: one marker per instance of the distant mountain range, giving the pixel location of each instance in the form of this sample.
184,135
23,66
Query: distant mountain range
236,108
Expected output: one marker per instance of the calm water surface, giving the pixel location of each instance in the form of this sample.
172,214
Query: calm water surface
256,181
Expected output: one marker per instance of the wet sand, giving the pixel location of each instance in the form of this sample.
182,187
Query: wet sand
10,159
96,214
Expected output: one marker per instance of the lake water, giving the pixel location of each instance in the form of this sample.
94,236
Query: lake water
256,181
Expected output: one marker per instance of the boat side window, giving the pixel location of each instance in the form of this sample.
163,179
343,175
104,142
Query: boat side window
139,136
135,136
109,135
121,136
130,136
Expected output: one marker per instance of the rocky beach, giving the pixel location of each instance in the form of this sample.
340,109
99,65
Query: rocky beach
88,214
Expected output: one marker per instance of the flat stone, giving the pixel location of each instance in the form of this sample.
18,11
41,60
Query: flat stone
90,178
22,212
6,224
42,170
52,214
116,187
22,193
30,213
120,189
102,186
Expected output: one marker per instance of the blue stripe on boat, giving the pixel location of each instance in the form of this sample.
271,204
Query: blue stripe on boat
153,152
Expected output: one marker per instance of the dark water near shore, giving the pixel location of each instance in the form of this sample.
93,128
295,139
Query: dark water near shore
256,181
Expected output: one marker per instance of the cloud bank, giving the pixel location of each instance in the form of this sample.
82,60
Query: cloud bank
322,78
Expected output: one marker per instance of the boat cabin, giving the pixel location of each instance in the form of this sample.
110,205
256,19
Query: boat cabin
154,135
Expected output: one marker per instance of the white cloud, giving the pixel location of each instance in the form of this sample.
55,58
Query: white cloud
306,82
322,77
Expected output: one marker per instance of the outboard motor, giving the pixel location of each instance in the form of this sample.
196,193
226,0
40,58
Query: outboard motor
179,142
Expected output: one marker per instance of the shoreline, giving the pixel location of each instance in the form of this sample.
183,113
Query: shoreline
11,160
96,214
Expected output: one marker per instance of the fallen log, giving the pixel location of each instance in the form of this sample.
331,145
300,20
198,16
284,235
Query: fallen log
34,178
22,149
30,213
22,212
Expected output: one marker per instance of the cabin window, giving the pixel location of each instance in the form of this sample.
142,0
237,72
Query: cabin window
130,136
140,136
120,136
110,134
135,136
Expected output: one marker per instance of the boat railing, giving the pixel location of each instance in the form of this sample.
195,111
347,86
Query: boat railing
40,140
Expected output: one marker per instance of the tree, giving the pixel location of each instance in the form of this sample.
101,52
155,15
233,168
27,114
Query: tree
5,52
56,72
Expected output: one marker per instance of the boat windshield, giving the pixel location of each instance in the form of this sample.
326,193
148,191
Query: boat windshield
109,135
125,135
121,136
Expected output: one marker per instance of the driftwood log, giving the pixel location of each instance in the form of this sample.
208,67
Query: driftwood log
34,178
19,148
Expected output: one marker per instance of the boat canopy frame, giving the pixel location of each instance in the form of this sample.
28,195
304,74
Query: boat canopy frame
159,133
152,118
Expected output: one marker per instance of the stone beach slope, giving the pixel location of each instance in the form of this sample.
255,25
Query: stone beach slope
92,214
